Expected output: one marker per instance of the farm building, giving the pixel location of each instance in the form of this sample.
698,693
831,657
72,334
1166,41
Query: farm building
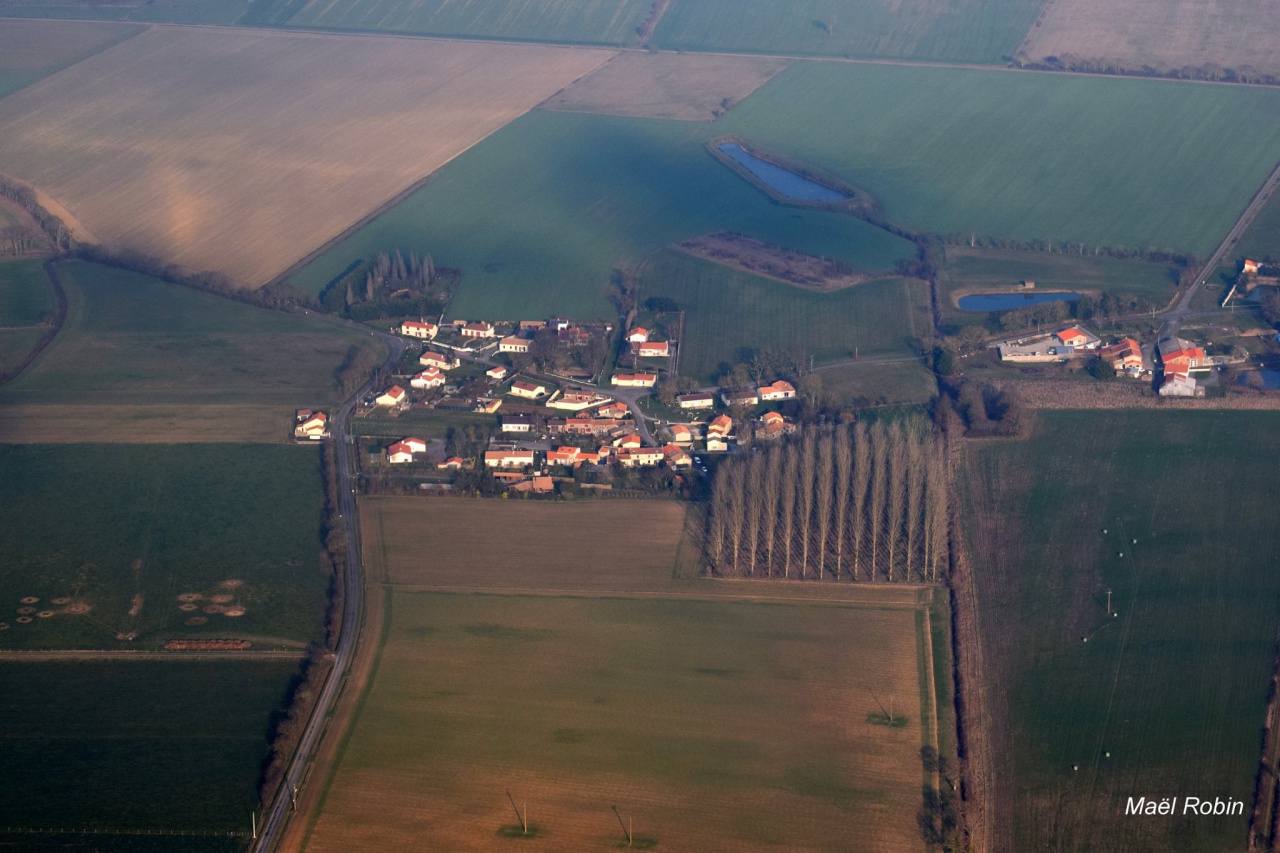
697,400
430,358
508,458
311,425
513,345
1124,355
487,405
1076,337
477,330
429,378
740,397
517,423
1180,356
537,485
416,329
635,380
393,396
654,349
780,390
1249,267
1180,385
528,390
638,335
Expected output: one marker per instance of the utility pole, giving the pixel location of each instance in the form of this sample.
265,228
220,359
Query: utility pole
1108,602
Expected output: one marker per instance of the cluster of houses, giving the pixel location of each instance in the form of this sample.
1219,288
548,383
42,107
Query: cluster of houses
472,336
1178,360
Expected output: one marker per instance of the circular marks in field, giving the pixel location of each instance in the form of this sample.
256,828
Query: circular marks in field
196,620
79,608
234,611
231,584
26,611
222,599
4,626
188,607
60,601
29,599
45,614
214,608
190,596
24,620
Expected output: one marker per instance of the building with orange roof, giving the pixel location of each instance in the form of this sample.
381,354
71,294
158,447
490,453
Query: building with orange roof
416,329
780,390
393,396
720,426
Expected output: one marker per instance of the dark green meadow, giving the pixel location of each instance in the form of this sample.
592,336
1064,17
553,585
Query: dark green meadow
132,339
1174,513
26,296
728,312
97,525
134,745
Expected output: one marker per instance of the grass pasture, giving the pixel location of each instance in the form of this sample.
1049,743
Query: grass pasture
728,311
1262,239
1172,512
539,215
26,296
241,151
1098,161
1165,35
30,50
126,530
657,706
686,86
172,747
966,31
582,21
893,384
216,12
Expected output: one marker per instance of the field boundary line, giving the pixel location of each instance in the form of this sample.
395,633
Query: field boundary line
59,318
44,656
905,607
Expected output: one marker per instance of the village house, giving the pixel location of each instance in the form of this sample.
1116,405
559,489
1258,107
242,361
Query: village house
1249,267
1124,356
740,397
773,425
1180,356
588,426
640,458
564,456
697,400
676,456
508,458
517,423
1076,337
537,485
531,325
453,463
613,410
654,349
477,329
628,442
487,405
638,335
311,425
404,449
576,401
681,434
392,397
497,374
573,337
716,444
528,390
429,378
635,380
780,390
415,329
721,426
440,361
513,345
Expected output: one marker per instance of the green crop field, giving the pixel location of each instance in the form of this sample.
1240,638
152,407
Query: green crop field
30,50
133,339
540,214
583,21
136,745
1025,156
1172,512
728,311
126,530
222,12
893,384
26,296
963,31
1262,239
657,706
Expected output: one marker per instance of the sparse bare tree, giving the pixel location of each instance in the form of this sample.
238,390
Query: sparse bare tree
843,478
804,497
787,514
822,498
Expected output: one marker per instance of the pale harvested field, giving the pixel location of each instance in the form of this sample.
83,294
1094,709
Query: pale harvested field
1165,34
716,726
160,424
691,87
243,151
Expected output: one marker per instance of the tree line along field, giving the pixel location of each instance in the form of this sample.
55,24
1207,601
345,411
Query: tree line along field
1072,159
968,31
539,215
150,361
583,21
729,312
30,50
714,725
113,546
241,151
173,746
1171,511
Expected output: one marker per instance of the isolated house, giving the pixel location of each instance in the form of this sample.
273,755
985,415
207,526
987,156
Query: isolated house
415,329
1072,337
780,390
402,451
638,335
1249,267
393,396
453,463
487,405
1179,356
311,424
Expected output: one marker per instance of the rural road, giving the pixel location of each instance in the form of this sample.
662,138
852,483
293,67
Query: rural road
353,593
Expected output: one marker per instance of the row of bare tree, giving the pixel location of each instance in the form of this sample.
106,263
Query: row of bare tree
850,503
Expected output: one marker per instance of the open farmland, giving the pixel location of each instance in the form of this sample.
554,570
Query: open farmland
242,151
30,50
1262,239
965,31
131,343
728,312
1089,160
684,86
26,296
1172,512
1165,35
892,384
584,21
149,11
107,537
540,214
172,747
658,706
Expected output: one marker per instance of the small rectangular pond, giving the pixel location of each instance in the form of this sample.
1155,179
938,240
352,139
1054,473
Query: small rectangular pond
986,302
785,183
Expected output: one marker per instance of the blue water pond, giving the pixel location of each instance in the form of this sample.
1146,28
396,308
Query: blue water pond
985,302
786,183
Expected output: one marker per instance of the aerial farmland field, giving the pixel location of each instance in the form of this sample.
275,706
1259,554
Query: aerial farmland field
1073,159
26,296
172,747
1170,511
221,12
582,21
135,349
242,151
1164,35
127,546
540,215
965,31
727,311
30,50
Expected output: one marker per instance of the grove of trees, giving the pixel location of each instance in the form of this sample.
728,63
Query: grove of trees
848,502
